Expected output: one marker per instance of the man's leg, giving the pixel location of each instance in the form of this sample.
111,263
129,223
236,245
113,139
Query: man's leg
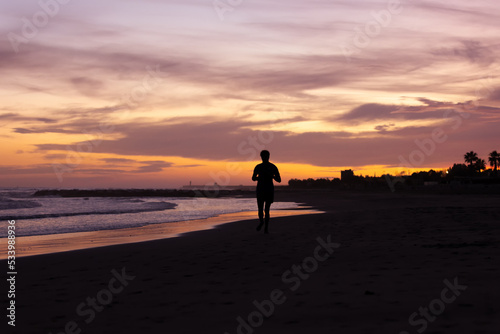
260,205
268,207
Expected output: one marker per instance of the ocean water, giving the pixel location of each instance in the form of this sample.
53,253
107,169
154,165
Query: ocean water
54,215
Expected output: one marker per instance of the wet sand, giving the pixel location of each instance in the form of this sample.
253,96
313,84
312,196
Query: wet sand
366,265
55,243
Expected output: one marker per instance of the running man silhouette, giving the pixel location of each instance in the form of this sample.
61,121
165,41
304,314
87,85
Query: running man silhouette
264,173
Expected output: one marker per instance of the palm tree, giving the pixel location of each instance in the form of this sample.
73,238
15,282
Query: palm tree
480,165
470,157
494,159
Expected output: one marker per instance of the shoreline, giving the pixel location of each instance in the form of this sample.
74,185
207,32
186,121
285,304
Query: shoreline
64,242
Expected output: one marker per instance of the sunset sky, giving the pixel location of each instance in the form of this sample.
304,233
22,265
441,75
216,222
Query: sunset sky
160,93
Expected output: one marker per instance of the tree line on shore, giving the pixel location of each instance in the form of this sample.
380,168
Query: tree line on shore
475,166
473,170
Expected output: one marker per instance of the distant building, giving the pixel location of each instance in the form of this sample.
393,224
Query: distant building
347,175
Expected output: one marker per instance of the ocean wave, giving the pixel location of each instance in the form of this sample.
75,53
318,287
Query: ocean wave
8,204
146,207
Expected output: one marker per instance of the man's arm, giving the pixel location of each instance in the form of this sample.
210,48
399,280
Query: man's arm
254,176
277,176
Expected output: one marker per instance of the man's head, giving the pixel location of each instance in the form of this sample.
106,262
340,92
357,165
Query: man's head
265,155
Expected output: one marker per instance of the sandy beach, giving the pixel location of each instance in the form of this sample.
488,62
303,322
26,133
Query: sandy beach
371,263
